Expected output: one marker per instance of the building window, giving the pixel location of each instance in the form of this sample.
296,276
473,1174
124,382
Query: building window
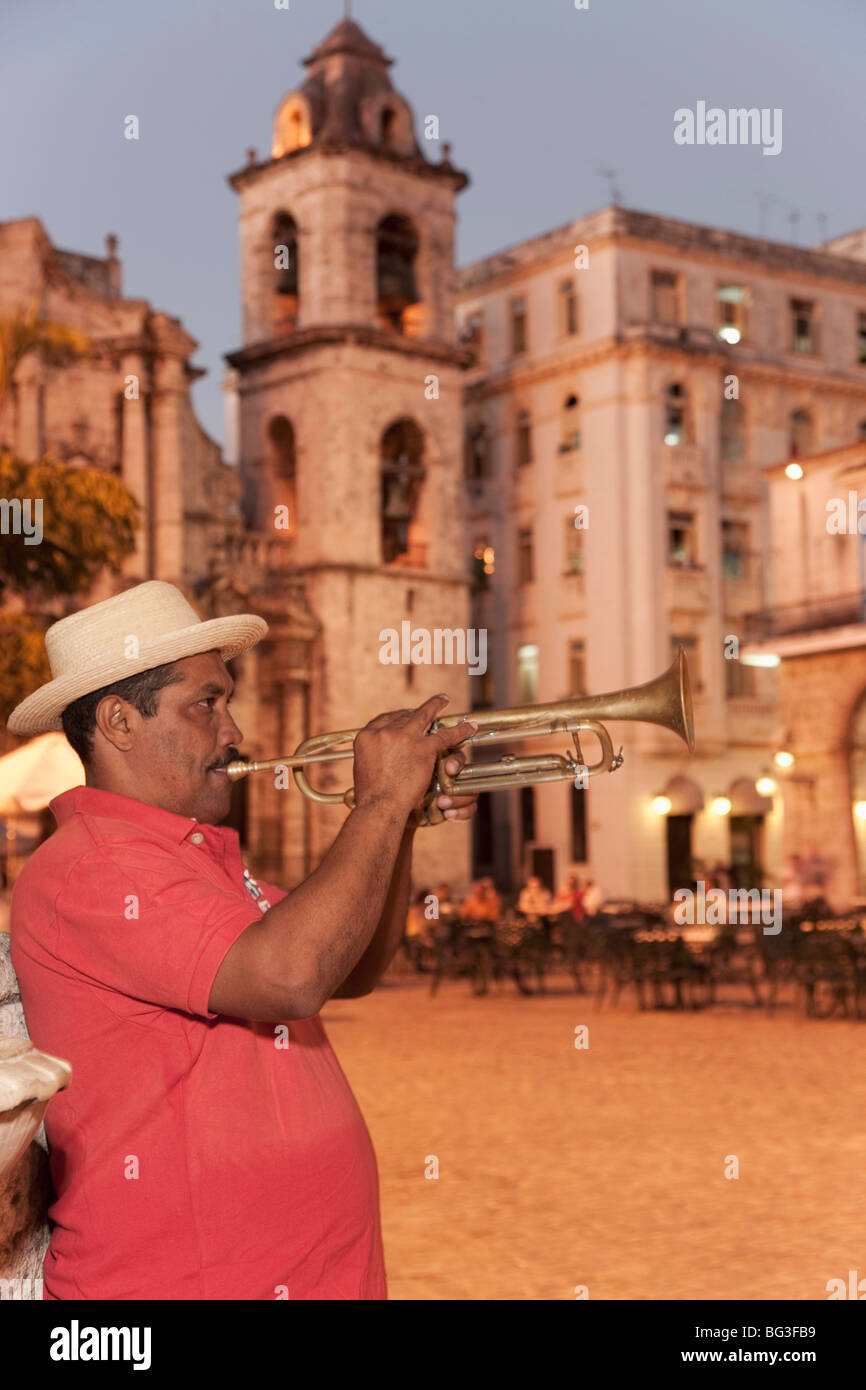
525,565
527,815
861,339
731,306
664,296
577,806
472,332
735,549
281,467
681,539
483,563
802,326
527,675
802,434
524,438
396,287
692,651
285,233
732,443
677,423
571,433
518,326
573,547
739,680
576,667
568,308
403,474
475,452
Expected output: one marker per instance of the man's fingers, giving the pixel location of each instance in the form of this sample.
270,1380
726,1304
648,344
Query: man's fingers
430,710
447,738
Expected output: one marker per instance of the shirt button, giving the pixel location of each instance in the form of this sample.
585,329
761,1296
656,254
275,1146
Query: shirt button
197,838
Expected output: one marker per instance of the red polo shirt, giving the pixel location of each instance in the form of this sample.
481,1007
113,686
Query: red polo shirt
194,1156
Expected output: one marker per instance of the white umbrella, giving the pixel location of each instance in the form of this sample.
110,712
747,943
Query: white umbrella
35,773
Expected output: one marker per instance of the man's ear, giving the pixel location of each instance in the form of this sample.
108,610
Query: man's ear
115,721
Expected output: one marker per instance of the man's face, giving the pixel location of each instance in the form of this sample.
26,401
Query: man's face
180,754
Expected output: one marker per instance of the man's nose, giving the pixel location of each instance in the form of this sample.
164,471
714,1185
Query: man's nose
230,733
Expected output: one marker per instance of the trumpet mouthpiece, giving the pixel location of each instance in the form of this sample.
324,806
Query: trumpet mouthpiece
239,768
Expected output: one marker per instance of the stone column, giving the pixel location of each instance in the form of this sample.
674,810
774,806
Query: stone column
169,392
135,462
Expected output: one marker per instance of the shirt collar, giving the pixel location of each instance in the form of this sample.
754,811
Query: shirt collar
93,801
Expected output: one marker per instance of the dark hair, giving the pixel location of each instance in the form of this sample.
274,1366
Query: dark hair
79,718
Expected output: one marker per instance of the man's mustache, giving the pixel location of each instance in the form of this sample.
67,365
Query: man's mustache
231,755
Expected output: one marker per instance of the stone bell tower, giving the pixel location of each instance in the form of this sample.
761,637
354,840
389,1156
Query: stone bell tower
349,400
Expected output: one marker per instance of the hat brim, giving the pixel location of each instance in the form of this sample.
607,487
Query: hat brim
40,712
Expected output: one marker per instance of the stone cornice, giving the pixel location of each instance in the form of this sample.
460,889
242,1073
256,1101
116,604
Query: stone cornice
252,173
364,335
688,354
401,572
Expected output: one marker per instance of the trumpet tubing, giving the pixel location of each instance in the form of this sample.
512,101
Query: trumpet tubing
665,701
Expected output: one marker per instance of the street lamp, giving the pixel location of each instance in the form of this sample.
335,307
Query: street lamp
720,806
661,805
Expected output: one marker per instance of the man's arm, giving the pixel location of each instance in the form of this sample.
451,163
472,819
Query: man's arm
389,932
287,964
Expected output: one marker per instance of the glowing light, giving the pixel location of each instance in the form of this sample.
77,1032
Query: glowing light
860,810
662,805
793,470
729,333
720,806
784,759
761,659
765,786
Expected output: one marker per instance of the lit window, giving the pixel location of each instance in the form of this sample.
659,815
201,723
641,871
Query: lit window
676,415
483,563
527,674
802,326
731,305
681,539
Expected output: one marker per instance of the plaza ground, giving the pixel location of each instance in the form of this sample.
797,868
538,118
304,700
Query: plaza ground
605,1166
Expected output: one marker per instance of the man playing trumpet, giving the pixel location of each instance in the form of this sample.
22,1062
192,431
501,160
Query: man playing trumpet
208,1145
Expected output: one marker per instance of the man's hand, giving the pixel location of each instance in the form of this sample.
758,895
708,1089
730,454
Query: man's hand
395,755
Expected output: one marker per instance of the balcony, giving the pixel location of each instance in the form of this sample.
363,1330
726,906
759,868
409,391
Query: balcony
258,552
683,466
813,615
687,589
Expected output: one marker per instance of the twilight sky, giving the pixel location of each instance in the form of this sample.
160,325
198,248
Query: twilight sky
534,96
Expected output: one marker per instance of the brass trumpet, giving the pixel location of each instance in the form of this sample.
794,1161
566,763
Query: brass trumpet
665,701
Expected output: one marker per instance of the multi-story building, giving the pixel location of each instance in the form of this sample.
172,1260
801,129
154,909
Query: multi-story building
633,377
814,632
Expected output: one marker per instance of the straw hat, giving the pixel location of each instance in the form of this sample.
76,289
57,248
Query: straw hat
89,649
